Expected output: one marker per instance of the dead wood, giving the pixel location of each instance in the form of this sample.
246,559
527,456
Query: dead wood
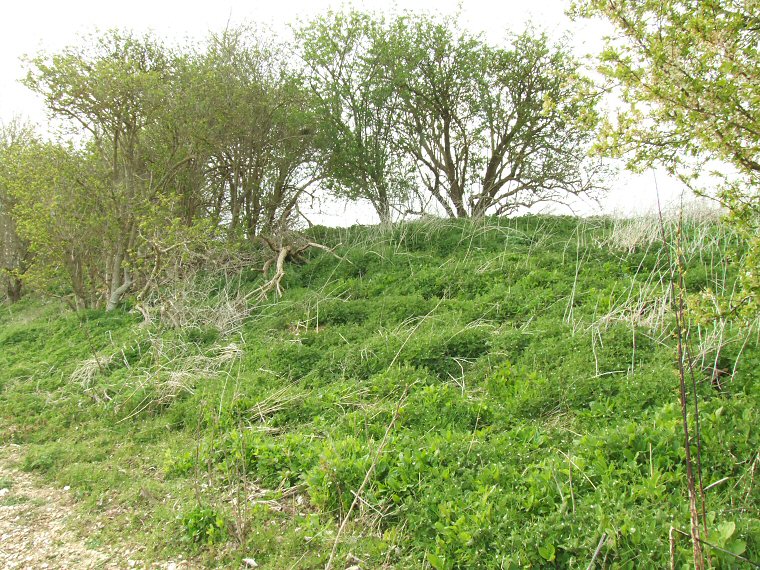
287,248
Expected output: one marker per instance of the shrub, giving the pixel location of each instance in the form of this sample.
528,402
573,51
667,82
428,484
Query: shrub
203,525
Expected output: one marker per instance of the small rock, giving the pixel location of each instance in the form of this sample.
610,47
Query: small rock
4,492
250,563
67,488
354,567
171,566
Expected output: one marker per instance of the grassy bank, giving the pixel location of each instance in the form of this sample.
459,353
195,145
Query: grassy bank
502,392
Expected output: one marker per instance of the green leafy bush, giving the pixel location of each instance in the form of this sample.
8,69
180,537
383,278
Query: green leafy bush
203,525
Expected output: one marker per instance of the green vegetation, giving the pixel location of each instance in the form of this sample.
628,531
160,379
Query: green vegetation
477,392
689,76
687,79
523,371
165,149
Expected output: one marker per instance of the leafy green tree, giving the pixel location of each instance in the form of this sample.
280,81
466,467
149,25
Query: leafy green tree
174,145
491,129
113,90
60,212
359,109
689,72
255,132
14,251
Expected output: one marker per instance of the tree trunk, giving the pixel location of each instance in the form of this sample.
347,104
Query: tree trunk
14,289
457,196
383,209
115,297
121,277
479,205
121,280
76,273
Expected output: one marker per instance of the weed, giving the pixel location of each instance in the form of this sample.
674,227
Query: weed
203,525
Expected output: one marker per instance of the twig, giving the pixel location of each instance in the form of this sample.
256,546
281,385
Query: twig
718,482
687,348
330,250
274,282
570,476
414,330
678,305
718,548
578,468
597,551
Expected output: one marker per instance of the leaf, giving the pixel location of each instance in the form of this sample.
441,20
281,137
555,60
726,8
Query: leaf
737,547
726,531
547,551
436,561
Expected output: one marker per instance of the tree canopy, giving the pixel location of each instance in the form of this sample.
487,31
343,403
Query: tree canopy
492,129
180,146
689,73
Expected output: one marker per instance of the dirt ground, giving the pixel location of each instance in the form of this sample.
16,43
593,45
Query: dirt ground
37,528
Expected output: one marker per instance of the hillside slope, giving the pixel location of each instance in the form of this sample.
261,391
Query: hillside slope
493,394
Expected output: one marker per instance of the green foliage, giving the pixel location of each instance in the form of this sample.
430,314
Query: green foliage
68,232
112,89
204,526
179,151
491,128
697,66
537,406
358,109
690,74
14,249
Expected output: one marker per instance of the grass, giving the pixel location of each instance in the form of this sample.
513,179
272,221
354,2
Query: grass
13,500
529,363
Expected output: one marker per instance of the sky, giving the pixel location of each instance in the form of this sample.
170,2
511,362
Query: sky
29,26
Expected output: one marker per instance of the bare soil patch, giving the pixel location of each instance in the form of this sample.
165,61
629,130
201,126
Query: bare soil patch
40,528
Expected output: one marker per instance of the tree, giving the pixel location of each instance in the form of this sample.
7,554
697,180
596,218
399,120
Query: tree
114,89
14,250
172,146
689,73
58,211
491,129
359,110
256,132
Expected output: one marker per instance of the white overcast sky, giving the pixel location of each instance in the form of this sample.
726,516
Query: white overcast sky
28,26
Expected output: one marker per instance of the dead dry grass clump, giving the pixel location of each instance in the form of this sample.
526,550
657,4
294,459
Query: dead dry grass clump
89,368
200,303
696,235
648,308
697,219
161,360
175,366
163,369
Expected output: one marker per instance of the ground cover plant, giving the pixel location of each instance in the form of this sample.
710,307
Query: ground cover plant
493,393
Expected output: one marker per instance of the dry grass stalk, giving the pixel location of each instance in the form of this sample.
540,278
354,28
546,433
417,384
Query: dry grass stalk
89,368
